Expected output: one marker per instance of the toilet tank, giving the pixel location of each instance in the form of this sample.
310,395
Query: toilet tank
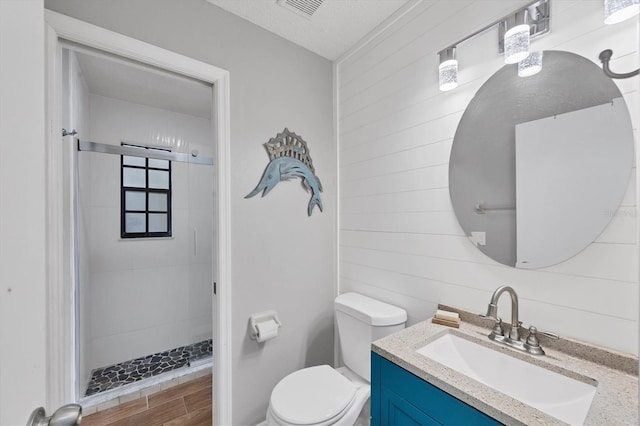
362,320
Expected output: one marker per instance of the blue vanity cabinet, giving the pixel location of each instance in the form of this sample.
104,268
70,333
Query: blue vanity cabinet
401,398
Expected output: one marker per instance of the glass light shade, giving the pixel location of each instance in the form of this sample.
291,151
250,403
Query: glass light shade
448,75
530,65
619,10
516,44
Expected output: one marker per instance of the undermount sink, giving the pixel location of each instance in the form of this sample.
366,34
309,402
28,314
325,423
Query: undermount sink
559,396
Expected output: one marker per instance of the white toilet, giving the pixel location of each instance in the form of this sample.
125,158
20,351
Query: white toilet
323,395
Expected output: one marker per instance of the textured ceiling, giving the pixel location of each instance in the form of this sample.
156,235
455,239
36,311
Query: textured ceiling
138,84
335,27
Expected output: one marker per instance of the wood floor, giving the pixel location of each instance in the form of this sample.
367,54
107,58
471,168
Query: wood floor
188,404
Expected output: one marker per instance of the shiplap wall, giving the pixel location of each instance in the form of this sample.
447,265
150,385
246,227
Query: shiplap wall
399,240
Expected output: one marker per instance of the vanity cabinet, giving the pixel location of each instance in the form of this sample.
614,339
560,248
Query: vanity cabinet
401,398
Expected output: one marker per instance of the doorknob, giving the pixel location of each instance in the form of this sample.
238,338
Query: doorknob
67,415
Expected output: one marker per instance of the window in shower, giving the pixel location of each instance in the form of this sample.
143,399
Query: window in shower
145,196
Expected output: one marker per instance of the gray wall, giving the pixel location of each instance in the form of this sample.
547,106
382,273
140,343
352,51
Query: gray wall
282,259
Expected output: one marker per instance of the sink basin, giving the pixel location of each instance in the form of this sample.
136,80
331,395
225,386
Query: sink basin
559,396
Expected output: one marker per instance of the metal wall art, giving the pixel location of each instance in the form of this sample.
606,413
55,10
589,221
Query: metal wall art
290,158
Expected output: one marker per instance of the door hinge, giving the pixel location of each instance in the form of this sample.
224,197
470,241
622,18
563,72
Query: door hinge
215,288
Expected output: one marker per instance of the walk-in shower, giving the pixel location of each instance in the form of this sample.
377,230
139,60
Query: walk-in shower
143,199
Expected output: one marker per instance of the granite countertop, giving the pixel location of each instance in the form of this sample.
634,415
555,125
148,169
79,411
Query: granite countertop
616,374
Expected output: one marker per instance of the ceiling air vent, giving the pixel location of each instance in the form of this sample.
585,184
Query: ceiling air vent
304,8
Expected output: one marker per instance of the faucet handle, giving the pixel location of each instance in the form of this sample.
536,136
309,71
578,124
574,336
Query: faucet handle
532,338
498,330
549,335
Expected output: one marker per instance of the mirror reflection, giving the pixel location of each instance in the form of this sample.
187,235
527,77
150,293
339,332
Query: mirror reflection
539,164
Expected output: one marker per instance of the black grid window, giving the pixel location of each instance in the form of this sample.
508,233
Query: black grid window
145,196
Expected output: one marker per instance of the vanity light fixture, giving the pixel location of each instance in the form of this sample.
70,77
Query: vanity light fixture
530,65
605,57
448,69
515,32
620,10
517,39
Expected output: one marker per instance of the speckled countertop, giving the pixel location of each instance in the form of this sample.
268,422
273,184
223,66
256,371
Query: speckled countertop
616,374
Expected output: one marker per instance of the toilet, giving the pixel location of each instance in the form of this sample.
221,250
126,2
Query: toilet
322,395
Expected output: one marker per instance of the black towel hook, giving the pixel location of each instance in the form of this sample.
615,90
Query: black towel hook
605,57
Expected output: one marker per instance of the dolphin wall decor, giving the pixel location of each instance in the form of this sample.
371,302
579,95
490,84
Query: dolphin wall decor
290,158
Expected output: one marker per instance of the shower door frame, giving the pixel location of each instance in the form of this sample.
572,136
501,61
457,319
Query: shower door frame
61,363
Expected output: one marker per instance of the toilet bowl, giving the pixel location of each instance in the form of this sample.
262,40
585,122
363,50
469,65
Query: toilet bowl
322,395
318,396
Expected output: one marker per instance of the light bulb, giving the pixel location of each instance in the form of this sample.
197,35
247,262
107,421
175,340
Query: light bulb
516,44
619,10
530,65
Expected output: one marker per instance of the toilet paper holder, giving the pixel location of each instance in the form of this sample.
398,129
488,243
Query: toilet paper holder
261,317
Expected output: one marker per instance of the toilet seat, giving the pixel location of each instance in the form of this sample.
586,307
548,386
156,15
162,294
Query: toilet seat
312,396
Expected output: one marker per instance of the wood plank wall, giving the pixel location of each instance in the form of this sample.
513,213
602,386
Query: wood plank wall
399,239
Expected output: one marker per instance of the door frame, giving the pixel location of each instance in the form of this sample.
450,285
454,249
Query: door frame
61,365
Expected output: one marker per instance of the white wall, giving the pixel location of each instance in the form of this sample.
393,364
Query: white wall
399,237
22,210
281,259
145,295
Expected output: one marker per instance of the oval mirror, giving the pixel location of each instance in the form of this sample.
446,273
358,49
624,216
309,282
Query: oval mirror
540,164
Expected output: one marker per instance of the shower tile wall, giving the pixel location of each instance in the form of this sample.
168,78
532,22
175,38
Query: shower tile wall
146,295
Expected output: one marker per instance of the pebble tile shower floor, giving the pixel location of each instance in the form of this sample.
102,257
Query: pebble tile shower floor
124,373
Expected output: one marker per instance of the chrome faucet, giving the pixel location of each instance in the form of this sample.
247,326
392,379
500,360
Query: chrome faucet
492,310
531,344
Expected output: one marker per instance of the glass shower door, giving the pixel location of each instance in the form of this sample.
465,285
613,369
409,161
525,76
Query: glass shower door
145,284
200,281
